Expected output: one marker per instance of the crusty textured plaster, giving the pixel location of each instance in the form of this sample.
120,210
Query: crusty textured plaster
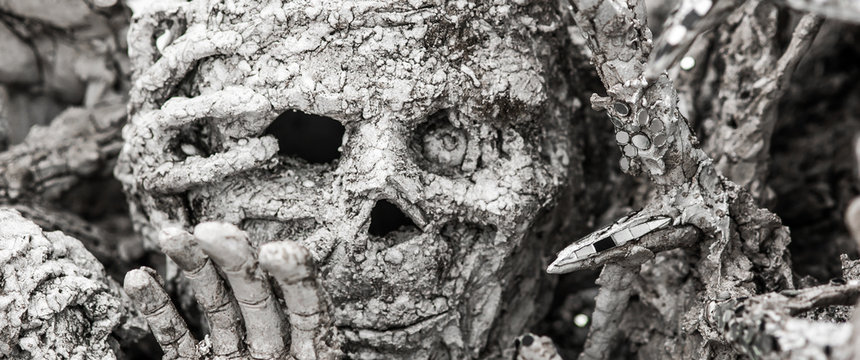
382,69
55,299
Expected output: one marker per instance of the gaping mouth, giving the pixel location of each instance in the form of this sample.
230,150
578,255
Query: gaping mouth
394,287
411,328
396,342
397,285
418,340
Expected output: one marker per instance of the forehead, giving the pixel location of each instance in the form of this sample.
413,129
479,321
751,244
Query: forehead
355,61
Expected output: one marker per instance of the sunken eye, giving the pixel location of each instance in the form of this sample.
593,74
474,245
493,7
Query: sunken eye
441,145
313,138
445,146
199,138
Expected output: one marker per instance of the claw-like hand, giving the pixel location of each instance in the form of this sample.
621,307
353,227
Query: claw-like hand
248,321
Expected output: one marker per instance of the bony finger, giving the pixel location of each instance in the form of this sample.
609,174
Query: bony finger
292,266
167,326
179,245
228,247
225,326
311,330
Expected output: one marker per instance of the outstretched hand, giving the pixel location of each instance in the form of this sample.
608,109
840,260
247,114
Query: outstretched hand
247,320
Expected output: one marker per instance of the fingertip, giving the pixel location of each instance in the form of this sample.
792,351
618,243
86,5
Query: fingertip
170,234
179,245
286,260
164,321
214,231
145,289
135,280
225,243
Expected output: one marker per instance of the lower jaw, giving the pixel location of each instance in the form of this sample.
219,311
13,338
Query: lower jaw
418,340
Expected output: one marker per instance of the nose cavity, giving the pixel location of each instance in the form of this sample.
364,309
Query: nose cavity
386,218
313,138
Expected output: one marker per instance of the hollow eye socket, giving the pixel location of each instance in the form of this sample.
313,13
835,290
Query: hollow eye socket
442,146
199,138
313,138
445,146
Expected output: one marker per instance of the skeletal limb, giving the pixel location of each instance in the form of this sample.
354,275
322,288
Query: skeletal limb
250,312
615,287
657,140
291,264
228,247
213,297
166,324
744,105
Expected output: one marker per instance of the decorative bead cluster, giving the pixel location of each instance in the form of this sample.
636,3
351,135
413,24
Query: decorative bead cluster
638,135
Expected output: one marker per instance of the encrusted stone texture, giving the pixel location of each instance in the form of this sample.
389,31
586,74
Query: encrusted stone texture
458,114
55,300
428,156
59,54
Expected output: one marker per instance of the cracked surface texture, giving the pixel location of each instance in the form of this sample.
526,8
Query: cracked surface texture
454,113
55,300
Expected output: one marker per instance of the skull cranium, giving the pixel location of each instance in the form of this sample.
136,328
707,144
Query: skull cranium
450,135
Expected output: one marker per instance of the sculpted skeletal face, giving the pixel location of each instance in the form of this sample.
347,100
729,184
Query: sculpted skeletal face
408,146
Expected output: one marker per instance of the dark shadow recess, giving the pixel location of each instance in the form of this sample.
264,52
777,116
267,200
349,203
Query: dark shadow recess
313,138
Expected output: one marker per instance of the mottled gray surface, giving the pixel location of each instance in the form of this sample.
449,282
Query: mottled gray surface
55,299
478,138
471,178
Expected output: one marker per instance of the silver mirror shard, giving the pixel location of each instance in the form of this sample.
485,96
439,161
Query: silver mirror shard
626,229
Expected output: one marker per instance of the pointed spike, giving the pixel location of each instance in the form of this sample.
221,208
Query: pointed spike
659,223
640,230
